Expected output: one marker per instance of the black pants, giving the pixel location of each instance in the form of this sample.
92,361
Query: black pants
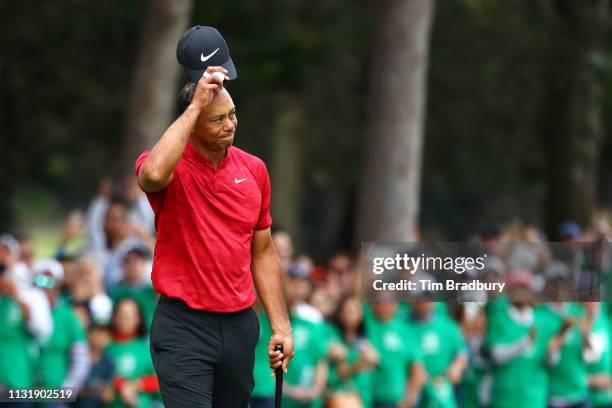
203,359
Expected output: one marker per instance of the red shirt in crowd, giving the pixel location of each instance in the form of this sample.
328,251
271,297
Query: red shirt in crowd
205,220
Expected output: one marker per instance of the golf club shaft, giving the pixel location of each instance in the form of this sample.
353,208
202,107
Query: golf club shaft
279,380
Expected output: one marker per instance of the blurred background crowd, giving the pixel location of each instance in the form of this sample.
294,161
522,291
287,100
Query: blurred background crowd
80,319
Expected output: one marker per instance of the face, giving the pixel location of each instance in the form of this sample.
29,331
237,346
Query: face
133,267
385,309
127,318
115,223
302,288
217,123
351,314
86,280
520,296
321,300
99,338
296,289
423,308
340,264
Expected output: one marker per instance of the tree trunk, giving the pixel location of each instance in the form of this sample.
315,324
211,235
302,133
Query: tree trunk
389,200
286,165
572,117
153,93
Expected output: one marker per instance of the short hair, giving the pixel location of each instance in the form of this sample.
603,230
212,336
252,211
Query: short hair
185,96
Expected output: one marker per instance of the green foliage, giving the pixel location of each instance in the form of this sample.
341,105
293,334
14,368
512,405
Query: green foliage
65,80
65,71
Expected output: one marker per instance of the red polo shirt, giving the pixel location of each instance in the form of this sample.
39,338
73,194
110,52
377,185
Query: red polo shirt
205,220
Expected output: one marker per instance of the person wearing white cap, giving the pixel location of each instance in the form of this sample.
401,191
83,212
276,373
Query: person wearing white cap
19,277
15,338
64,357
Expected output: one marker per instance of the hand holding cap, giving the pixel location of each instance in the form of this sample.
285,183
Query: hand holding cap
201,47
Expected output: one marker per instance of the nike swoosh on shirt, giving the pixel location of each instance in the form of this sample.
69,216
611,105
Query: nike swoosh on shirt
238,181
205,58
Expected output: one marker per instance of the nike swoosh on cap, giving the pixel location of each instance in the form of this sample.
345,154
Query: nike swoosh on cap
238,181
205,58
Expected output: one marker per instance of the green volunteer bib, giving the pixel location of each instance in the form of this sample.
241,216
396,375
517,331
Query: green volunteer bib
359,382
55,352
15,367
568,378
600,339
311,345
132,360
522,381
398,349
441,341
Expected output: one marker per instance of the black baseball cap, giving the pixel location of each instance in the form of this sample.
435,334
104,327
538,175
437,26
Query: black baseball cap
201,47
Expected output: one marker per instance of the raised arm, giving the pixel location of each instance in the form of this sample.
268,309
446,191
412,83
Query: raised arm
267,276
156,172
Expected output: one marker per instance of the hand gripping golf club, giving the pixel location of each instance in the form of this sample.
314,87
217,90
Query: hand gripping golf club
279,380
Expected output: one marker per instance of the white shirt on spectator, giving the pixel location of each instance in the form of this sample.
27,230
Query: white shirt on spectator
40,323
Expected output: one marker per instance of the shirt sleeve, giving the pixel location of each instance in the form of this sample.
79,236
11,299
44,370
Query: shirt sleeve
265,219
140,160
80,359
40,324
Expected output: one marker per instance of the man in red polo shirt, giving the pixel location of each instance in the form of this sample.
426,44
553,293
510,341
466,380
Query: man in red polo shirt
211,202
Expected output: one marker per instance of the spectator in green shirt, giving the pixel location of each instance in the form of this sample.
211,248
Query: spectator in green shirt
399,376
352,358
568,385
15,368
473,391
516,341
98,388
135,382
135,283
305,381
598,356
64,356
444,354
38,321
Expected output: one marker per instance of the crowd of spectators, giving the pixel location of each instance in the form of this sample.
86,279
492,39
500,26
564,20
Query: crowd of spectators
80,319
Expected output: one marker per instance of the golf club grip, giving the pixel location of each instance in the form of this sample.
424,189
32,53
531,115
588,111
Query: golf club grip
279,380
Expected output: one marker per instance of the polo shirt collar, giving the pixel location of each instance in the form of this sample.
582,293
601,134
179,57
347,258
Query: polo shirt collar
193,154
